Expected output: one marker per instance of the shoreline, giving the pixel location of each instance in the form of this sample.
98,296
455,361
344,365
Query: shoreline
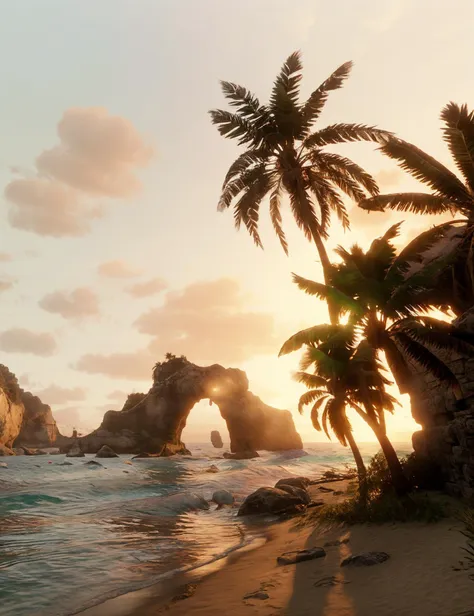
422,577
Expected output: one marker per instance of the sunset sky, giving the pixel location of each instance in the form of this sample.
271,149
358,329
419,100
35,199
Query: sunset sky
112,251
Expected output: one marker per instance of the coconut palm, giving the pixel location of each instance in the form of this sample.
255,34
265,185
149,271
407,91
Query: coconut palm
388,301
347,373
284,155
448,193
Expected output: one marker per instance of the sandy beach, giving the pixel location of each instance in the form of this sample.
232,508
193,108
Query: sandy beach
423,576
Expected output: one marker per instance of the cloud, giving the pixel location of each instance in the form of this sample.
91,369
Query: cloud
135,366
55,394
98,153
4,256
208,322
387,178
117,269
20,340
76,304
117,395
97,157
5,284
47,208
370,221
145,289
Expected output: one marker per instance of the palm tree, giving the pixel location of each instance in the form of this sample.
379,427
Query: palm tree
448,194
284,155
347,373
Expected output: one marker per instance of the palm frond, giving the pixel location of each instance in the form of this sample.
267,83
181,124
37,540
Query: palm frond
233,126
309,336
327,293
438,335
275,215
417,203
246,209
346,166
343,133
243,162
310,380
316,101
285,93
426,169
459,135
315,412
246,103
309,397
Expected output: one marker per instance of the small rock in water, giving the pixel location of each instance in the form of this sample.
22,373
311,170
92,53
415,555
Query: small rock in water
3,465
106,452
129,462
65,463
75,452
241,455
290,558
258,594
92,463
212,469
223,497
365,559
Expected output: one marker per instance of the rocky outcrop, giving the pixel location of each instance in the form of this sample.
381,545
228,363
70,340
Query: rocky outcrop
447,437
155,424
106,452
272,501
216,439
11,409
39,428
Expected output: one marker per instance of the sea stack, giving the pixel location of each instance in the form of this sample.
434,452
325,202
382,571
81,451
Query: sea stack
216,439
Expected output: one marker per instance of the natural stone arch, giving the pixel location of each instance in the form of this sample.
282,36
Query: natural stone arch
156,423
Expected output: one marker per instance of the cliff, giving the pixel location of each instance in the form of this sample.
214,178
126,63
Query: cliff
155,424
38,428
11,409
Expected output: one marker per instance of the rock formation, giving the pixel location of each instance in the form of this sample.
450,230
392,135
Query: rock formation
156,422
11,410
39,428
447,437
216,439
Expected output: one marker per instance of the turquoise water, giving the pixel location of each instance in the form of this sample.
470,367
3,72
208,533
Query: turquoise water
74,536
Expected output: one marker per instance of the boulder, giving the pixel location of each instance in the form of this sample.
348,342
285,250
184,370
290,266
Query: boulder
271,501
75,452
297,482
290,558
93,463
6,451
216,439
106,452
223,497
365,559
18,451
241,455
3,465
300,492
212,469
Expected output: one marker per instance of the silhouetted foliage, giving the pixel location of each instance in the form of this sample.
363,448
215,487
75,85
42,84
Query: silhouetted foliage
171,365
9,384
468,532
449,194
132,400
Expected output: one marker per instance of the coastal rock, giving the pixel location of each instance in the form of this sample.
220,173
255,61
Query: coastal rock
241,455
75,452
155,423
18,451
183,501
258,594
223,497
6,451
216,439
290,558
11,408
212,469
65,463
93,463
271,500
3,465
106,452
365,559
299,492
297,482
38,428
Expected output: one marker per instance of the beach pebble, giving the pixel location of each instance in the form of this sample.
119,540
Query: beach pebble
365,559
290,558
258,594
223,497
297,482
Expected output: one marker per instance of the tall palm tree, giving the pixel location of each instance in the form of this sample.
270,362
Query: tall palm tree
448,193
347,373
284,155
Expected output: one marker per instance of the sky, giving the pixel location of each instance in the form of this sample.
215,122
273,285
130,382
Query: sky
112,252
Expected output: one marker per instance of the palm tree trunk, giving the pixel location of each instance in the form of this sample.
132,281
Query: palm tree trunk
361,470
399,480
326,265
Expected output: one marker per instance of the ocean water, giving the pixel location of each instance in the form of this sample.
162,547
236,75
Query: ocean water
73,536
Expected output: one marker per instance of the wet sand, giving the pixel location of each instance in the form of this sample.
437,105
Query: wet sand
423,576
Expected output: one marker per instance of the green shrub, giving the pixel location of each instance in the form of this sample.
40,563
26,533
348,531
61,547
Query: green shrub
164,369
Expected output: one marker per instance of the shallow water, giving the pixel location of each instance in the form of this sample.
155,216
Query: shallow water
73,536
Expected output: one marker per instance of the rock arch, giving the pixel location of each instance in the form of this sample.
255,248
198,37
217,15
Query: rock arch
156,423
